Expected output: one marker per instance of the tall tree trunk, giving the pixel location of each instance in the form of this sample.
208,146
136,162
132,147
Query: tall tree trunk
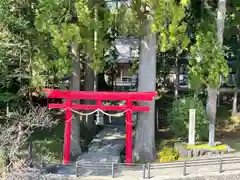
90,79
89,85
102,85
237,85
213,91
75,85
211,113
221,14
234,108
176,90
144,148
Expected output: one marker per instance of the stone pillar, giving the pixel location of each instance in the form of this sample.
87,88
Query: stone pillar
191,132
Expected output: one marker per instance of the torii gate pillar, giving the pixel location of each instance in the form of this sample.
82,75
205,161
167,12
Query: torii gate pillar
69,96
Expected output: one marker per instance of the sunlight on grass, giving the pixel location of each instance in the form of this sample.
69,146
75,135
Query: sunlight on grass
222,147
236,119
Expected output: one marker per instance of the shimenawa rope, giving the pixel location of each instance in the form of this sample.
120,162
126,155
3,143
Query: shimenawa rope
103,112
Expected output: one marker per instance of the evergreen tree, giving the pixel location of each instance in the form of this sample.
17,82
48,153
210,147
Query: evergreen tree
167,19
207,62
26,54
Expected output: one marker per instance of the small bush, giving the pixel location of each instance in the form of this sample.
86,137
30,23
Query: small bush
167,155
178,118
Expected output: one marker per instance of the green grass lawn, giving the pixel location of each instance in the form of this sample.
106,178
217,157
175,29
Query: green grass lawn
49,143
221,147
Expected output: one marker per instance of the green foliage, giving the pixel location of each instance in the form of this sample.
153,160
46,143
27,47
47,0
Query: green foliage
26,54
38,41
207,57
77,24
127,21
6,97
167,155
207,60
45,71
16,37
178,118
169,22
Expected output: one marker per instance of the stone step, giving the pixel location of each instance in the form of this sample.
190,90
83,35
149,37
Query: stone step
105,147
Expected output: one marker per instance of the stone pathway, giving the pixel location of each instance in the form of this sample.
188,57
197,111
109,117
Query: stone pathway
104,148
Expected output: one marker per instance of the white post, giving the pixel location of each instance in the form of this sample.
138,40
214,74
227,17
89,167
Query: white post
191,132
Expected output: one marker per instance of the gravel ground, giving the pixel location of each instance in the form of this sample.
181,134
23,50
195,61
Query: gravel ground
207,177
228,175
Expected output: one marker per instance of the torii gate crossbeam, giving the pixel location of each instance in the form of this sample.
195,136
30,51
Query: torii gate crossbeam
128,97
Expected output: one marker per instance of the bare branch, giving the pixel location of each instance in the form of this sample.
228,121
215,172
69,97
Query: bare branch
15,134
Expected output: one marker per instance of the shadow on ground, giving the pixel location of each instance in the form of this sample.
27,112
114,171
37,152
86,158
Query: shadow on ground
70,170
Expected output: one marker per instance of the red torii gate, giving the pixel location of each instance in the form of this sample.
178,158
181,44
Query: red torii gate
69,96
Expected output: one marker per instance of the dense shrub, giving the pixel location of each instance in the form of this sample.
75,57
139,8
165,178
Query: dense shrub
167,155
178,118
